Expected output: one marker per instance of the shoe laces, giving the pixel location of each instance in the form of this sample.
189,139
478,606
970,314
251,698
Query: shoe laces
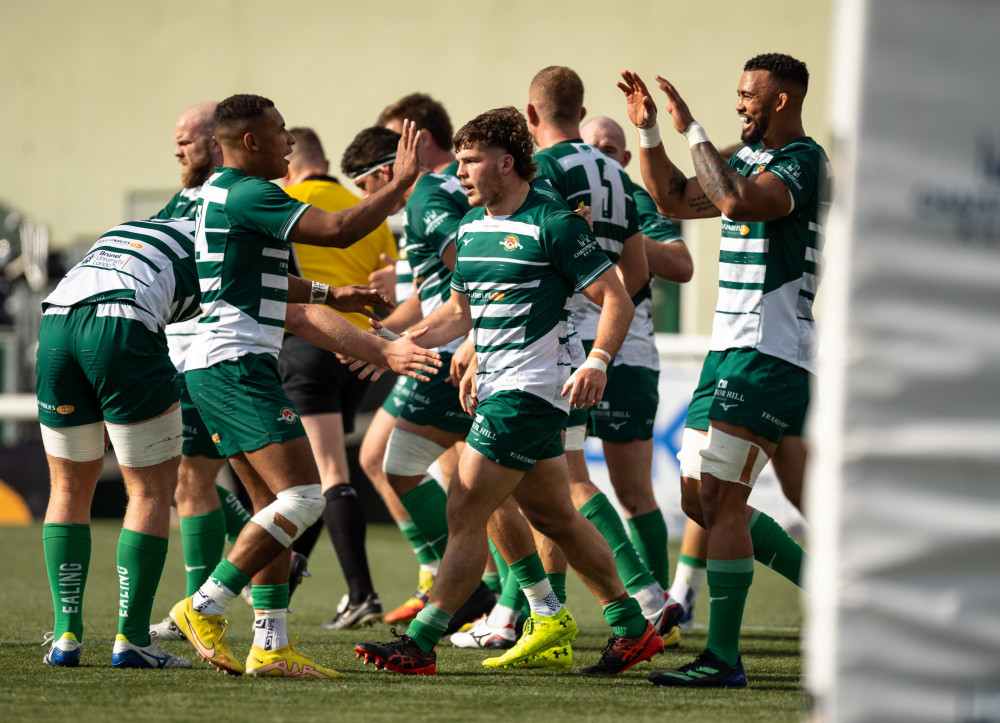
403,639
49,637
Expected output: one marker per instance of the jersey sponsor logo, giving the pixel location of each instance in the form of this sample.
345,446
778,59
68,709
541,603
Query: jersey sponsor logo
497,296
288,415
760,169
723,383
773,420
466,239
727,407
510,243
135,245
65,409
617,425
744,229
522,458
415,407
433,219
215,438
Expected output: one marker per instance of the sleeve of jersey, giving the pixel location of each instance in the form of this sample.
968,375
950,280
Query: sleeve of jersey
798,166
653,223
262,206
550,170
573,250
439,224
457,282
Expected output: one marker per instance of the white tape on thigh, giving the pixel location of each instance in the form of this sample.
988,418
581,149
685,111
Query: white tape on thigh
408,454
287,517
692,442
732,459
148,443
83,443
575,437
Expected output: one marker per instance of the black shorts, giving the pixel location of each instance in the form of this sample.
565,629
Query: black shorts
317,383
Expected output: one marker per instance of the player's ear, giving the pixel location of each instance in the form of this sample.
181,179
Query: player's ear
532,113
782,102
250,141
626,158
583,112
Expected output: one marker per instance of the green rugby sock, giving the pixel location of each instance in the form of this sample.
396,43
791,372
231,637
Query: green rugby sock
270,597
428,627
728,584
421,548
649,534
67,561
492,581
202,538
773,547
236,514
631,569
558,582
230,577
625,617
427,504
140,564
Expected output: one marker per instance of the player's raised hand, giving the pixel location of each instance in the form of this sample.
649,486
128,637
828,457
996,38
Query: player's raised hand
676,106
638,103
409,154
384,279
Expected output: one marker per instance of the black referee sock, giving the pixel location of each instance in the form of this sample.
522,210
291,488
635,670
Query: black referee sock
305,542
345,521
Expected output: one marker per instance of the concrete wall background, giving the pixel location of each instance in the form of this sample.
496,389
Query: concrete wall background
89,91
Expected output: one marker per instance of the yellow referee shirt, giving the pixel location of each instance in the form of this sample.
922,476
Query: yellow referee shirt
339,267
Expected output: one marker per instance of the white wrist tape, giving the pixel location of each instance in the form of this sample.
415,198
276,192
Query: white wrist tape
386,334
695,134
318,293
592,363
603,353
649,137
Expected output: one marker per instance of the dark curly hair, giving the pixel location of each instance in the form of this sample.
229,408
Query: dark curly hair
236,114
370,147
423,110
504,128
786,70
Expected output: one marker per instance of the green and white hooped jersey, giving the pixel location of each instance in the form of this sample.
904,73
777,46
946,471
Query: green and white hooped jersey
242,250
769,271
583,175
182,205
519,273
179,335
148,266
435,208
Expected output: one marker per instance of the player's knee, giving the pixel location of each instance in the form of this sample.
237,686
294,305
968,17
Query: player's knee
292,511
731,459
691,506
82,443
408,454
148,443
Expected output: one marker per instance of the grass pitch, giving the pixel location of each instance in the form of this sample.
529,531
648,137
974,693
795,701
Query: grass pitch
462,690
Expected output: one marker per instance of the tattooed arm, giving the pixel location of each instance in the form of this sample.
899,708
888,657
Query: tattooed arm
675,194
762,197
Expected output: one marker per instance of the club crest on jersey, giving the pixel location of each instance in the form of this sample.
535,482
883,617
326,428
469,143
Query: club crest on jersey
287,415
760,169
511,243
